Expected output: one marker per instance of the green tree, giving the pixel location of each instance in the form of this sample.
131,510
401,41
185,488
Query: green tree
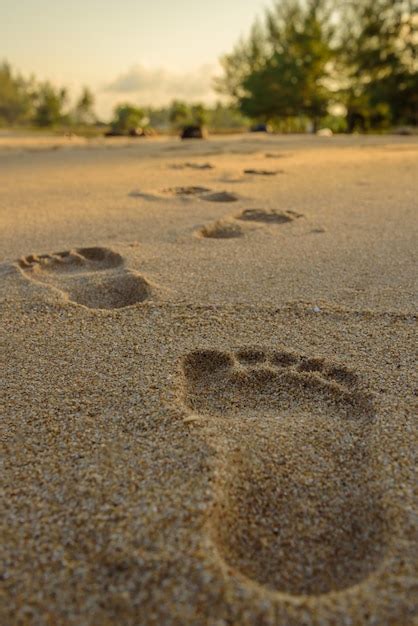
199,114
84,108
284,69
127,118
248,56
179,113
16,97
222,117
158,118
49,105
379,57
182,114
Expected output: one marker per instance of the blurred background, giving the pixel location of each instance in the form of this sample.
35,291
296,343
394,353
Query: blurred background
138,68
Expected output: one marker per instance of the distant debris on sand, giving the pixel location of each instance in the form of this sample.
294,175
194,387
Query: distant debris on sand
405,131
194,132
260,128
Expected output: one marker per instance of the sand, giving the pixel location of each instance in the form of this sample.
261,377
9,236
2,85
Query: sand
207,381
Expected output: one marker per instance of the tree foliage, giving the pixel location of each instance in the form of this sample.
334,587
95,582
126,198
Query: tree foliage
283,68
49,104
16,97
84,108
183,114
310,54
127,118
379,47
26,101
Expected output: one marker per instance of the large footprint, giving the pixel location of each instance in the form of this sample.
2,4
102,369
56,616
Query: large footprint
93,277
296,510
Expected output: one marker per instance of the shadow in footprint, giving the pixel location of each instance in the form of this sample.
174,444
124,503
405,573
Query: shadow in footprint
221,196
271,216
192,166
186,191
263,172
295,510
143,195
93,277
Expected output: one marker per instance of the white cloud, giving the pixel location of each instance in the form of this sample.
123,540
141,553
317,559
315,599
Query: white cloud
157,86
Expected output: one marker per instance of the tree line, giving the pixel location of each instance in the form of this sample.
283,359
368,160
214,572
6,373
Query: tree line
176,116
308,58
27,101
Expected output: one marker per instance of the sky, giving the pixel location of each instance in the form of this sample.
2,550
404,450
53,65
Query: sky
142,51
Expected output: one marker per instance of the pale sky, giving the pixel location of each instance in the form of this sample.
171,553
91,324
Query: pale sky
146,52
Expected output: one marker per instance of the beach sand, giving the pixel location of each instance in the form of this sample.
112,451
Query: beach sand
207,381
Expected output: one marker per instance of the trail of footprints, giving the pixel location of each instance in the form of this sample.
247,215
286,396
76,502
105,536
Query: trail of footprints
93,277
229,227
294,509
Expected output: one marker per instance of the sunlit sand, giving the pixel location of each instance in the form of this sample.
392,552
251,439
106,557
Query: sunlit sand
207,380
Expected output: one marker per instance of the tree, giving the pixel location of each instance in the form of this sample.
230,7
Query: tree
49,104
198,114
182,114
16,97
379,55
248,56
83,111
179,113
127,118
226,118
283,69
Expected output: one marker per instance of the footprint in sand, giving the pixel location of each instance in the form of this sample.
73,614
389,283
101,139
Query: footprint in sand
270,216
276,155
263,172
203,193
192,166
296,509
93,277
221,196
186,191
222,229
229,228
